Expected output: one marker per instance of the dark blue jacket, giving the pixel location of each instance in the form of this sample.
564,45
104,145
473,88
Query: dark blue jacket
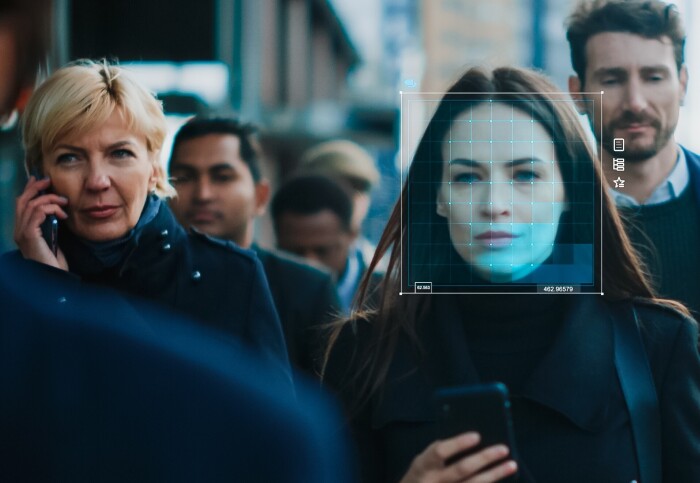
306,301
96,386
694,169
210,280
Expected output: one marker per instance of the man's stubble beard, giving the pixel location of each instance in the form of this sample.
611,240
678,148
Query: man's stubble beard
631,154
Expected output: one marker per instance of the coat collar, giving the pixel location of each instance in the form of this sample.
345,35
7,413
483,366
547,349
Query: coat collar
694,170
152,245
581,395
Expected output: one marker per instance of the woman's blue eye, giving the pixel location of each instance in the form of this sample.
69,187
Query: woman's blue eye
465,178
525,176
66,158
122,153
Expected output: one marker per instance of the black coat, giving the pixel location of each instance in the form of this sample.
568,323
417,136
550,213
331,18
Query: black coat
210,280
99,386
306,300
570,420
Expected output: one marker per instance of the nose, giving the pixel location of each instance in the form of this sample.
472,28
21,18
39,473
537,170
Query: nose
98,178
203,191
497,201
635,99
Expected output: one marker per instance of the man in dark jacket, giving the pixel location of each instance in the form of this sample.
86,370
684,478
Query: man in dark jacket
633,51
312,215
221,190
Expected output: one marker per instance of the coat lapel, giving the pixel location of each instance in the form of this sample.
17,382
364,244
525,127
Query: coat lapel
581,395
577,375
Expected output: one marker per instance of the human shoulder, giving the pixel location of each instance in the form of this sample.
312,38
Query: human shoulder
291,267
662,325
692,158
654,313
219,250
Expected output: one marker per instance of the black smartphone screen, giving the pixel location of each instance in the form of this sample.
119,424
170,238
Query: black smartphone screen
49,228
483,408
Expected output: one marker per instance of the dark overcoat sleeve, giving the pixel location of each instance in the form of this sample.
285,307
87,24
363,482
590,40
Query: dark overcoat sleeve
324,307
338,377
679,399
264,327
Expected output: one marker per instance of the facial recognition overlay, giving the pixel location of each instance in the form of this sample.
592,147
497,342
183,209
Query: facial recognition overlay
501,195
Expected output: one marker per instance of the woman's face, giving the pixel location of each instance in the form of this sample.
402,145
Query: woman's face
501,192
106,174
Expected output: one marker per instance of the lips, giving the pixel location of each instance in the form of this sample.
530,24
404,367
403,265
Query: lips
496,238
635,123
634,128
101,211
203,216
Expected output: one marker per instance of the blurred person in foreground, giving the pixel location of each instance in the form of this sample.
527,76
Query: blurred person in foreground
215,168
100,386
350,164
24,34
312,217
633,50
483,214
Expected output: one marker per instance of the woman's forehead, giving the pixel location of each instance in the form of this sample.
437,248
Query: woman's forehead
497,122
105,128
497,132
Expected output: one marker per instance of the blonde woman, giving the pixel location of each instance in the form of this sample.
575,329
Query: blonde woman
92,137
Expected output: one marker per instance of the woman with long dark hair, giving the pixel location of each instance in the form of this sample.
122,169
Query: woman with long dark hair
480,217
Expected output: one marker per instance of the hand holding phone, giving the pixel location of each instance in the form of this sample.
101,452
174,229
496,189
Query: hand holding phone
483,409
473,429
49,228
36,223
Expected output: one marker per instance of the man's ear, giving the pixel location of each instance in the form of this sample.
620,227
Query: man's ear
575,91
262,196
683,78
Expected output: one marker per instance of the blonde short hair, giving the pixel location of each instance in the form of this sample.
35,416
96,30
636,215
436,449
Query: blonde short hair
82,95
342,159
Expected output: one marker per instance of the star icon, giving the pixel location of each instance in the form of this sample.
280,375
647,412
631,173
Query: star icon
619,183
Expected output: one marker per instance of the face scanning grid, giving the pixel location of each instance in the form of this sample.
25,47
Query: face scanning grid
503,197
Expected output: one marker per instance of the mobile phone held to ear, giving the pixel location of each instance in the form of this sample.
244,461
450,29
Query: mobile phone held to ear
49,228
482,408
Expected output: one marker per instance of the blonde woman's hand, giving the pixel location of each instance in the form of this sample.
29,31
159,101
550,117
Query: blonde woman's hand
31,209
429,466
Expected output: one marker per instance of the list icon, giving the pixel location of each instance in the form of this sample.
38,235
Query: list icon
619,164
618,144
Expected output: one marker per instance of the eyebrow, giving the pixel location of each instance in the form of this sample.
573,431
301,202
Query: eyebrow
223,166
513,162
118,144
621,71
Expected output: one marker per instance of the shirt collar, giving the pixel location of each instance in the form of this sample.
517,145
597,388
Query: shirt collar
348,283
671,188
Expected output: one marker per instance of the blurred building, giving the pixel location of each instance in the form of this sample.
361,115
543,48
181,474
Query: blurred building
283,64
458,34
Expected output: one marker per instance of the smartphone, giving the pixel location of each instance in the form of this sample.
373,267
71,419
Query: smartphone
483,408
49,227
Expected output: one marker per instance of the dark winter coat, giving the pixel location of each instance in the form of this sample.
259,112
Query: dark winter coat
571,423
210,280
306,301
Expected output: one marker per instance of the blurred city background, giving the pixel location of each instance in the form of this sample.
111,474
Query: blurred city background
307,71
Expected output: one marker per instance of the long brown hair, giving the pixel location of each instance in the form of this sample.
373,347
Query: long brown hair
622,274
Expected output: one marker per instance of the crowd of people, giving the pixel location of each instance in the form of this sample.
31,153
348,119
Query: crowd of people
146,335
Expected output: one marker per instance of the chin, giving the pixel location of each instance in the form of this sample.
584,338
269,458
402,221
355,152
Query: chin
101,235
